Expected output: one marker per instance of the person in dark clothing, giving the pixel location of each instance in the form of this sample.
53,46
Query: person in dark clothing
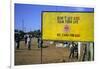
25,39
17,39
71,50
84,54
39,42
76,50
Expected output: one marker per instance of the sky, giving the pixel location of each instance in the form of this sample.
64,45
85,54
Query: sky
27,17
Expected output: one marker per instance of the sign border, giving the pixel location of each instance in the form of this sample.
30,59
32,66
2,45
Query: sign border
62,12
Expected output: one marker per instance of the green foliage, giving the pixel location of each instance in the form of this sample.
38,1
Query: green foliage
35,33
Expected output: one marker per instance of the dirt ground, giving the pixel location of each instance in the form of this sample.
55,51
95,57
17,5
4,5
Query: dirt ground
50,54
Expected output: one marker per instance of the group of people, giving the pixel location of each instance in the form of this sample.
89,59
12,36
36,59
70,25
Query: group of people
73,50
27,39
73,46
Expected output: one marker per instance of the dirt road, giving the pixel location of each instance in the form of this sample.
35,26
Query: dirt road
50,54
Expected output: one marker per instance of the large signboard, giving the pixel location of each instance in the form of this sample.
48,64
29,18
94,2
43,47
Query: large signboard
70,26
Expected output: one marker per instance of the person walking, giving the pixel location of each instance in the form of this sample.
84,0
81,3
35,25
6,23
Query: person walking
39,42
25,39
29,42
17,40
71,55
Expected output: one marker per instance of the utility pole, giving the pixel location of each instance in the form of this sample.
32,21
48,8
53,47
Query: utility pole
23,25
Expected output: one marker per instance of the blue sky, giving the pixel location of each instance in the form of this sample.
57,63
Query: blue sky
28,17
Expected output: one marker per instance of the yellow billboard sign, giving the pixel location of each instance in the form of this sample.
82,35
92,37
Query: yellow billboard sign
68,26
